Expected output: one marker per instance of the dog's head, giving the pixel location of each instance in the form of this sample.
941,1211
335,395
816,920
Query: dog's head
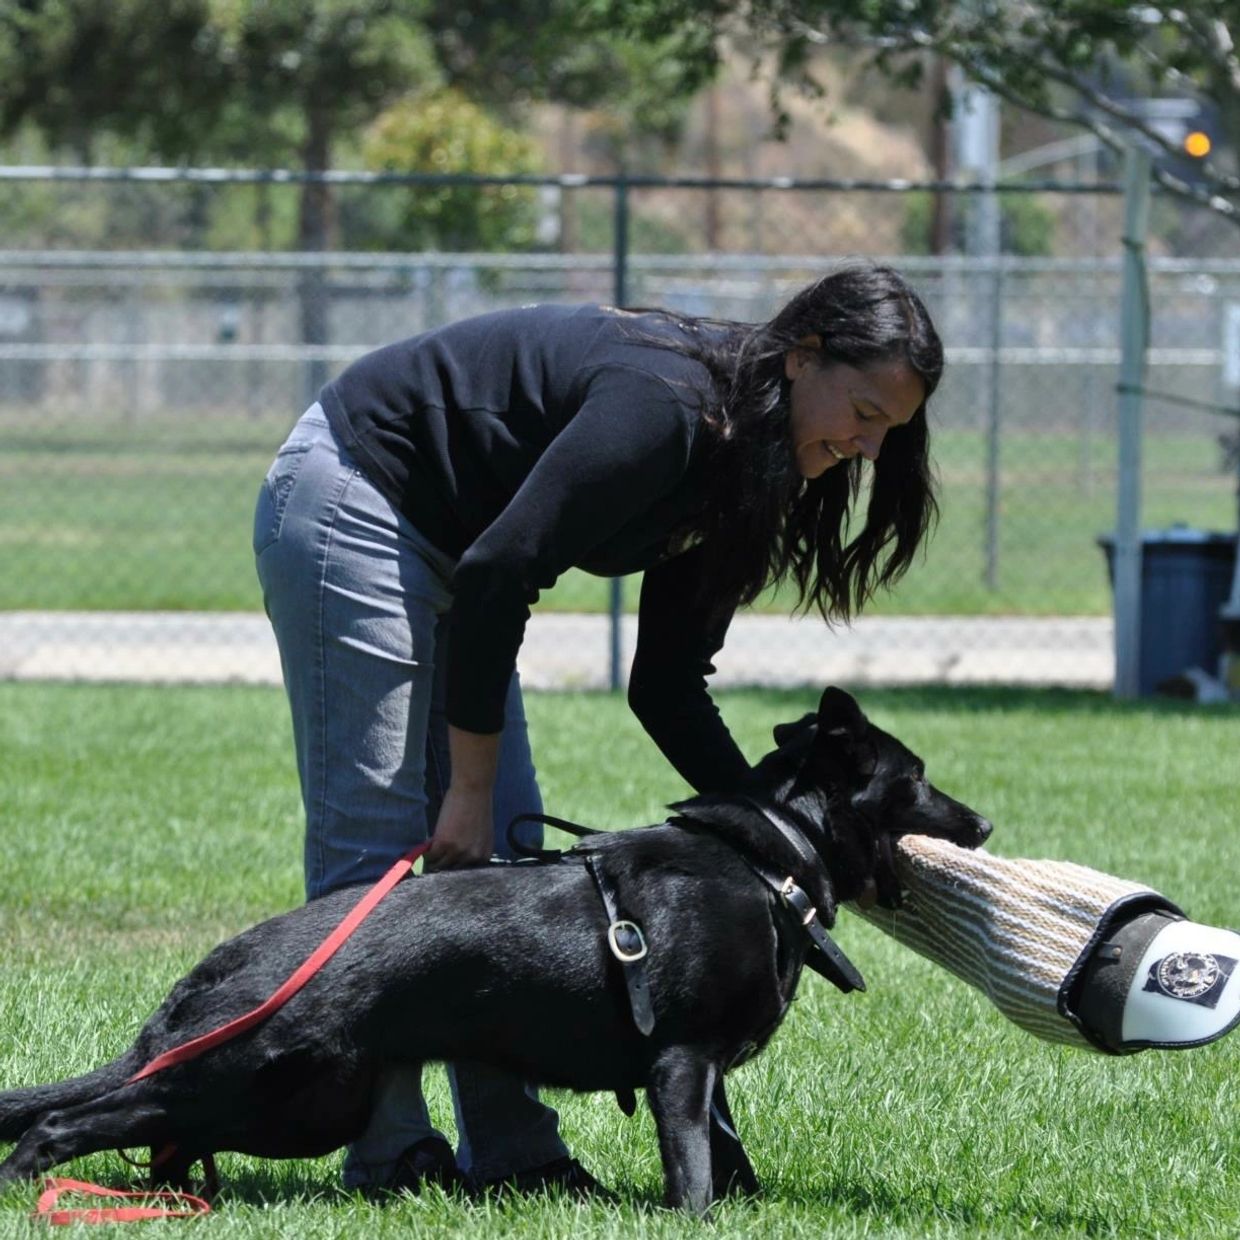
858,784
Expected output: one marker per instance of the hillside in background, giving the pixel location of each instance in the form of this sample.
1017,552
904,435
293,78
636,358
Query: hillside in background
728,131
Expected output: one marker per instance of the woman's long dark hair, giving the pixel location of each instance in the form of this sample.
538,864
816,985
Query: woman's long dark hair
763,522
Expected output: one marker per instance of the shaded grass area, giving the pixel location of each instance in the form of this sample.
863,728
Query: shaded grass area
142,825
148,514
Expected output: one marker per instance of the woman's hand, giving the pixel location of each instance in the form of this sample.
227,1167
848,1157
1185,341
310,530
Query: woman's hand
464,833
465,830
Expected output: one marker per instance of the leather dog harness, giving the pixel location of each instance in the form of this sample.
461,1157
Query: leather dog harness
627,942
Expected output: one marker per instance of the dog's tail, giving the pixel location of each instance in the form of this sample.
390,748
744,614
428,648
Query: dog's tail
19,1108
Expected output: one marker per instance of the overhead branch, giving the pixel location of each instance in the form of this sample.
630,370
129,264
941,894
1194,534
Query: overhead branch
981,52
1214,41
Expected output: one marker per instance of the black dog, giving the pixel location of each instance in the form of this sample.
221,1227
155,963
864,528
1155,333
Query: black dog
511,965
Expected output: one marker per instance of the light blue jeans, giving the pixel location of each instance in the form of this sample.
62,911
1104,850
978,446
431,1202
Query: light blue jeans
358,600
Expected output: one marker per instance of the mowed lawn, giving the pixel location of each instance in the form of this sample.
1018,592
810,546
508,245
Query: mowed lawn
148,513
142,825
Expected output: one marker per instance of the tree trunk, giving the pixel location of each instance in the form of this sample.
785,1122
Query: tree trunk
713,166
941,218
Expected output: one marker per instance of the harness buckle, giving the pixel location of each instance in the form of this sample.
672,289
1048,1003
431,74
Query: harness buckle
626,955
793,896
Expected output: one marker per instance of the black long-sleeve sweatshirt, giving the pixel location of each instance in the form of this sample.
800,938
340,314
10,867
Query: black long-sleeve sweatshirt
530,441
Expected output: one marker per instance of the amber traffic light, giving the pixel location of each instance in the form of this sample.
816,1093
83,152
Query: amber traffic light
1197,144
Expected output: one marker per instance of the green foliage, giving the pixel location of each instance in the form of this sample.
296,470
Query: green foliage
1026,226
1086,62
444,132
252,217
277,81
79,67
101,215
305,68
199,78
649,233
639,94
509,52
291,82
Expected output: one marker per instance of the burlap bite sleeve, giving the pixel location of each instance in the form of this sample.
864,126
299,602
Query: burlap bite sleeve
1019,931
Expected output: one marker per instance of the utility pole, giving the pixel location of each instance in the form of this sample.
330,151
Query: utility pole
940,155
1134,338
976,117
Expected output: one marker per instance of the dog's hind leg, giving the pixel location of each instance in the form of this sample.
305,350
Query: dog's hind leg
121,1119
679,1090
19,1108
730,1169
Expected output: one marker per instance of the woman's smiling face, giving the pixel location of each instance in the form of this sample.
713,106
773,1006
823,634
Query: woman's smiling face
840,411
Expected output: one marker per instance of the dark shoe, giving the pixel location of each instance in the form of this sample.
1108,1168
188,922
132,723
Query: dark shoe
564,1175
429,1161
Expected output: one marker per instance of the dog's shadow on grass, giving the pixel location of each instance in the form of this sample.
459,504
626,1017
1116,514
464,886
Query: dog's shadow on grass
925,1205
929,1205
307,1184
264,1185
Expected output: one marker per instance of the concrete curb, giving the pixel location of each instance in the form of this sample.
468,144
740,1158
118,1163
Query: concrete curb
571,651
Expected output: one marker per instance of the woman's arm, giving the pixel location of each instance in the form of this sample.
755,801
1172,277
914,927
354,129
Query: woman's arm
677,637
464,830
626,447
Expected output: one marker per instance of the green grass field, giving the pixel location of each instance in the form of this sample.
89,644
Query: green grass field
142,825
155,514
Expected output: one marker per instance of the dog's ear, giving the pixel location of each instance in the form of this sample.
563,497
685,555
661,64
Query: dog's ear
839,714
784,732
843,731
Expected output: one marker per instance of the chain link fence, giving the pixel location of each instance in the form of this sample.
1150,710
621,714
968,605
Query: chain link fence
148,372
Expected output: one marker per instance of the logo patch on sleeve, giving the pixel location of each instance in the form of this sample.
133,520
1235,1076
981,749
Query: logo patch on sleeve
1195,977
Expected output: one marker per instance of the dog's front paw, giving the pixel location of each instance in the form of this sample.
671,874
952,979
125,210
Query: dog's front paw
735,1182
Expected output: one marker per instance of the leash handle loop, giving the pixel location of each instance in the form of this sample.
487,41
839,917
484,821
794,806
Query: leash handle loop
50,1197
546,820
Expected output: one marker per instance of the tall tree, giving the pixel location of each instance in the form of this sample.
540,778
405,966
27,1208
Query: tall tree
274,80
299,74
1086,62
80,67
510,52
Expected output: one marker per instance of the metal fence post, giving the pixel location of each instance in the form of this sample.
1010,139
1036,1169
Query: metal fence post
1134,337
620,241
994,425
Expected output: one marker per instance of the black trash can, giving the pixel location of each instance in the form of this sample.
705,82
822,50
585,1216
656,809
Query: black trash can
1186,577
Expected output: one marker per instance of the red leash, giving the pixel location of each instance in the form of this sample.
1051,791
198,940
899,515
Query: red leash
312,964
111,1214
197,1046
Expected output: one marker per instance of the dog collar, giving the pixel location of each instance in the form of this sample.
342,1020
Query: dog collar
825,956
